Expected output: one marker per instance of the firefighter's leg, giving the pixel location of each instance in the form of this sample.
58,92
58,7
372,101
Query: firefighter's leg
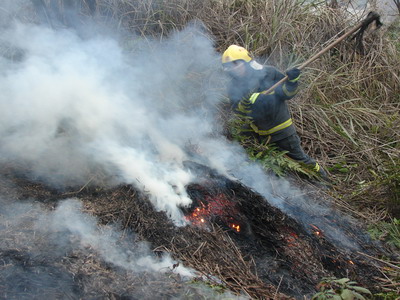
295,151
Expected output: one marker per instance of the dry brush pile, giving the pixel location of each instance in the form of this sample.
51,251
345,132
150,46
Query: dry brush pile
272,256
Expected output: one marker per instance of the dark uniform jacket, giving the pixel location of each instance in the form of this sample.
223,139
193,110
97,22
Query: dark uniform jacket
268,114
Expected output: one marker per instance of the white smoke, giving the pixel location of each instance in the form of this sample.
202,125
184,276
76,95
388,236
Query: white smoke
69,225
69,218
71,108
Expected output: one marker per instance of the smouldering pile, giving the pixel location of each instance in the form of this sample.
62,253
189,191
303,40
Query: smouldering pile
243,242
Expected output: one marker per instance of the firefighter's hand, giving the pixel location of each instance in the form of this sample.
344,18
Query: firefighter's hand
293,74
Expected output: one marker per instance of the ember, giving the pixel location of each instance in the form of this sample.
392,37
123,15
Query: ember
215,208
198,216
291,238
236,227
316,230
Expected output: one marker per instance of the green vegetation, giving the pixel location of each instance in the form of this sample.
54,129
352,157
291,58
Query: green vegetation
341,289
268,155
387,231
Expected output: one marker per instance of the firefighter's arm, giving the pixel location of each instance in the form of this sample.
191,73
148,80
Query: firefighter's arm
290,87
273,74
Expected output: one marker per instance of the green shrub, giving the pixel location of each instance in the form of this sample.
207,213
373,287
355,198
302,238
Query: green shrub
388,232
341,289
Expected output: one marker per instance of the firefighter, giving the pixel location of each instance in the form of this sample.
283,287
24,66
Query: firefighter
266,116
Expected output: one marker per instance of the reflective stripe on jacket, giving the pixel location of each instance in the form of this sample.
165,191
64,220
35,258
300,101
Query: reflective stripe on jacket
268,116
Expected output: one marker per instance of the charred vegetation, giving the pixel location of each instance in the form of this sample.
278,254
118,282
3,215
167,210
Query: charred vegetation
264,254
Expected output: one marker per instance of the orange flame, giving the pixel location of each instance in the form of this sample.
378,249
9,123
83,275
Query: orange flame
236,227
317,231
198,216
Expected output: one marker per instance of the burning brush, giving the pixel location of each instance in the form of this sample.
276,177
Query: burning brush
277,245
216,208
317,232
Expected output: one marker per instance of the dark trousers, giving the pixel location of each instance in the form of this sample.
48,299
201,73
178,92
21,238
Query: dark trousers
295,151
292,145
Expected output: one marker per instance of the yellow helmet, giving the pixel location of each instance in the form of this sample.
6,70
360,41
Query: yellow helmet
235,52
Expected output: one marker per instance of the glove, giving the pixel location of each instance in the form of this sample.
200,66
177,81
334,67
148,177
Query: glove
293,74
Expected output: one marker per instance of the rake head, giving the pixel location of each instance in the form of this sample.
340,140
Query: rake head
372,17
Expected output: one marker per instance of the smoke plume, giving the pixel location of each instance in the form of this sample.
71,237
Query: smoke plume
74,109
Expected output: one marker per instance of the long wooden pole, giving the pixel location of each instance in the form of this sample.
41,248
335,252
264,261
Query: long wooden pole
370,18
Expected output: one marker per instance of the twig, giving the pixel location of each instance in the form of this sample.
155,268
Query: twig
277,288
82,188
380,260
198,249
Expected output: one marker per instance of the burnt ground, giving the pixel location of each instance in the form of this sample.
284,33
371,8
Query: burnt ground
237,240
